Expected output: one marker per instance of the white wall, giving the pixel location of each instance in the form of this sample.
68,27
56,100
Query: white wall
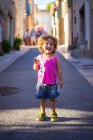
0,32
44,19
87,24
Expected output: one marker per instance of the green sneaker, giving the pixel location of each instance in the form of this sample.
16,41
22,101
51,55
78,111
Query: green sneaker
54,117
41,117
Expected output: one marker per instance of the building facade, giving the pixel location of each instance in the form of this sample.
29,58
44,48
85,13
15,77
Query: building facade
91,29
24,16
55,13
61,22
7,20
43,19
21,18
30,14
72,25
81,25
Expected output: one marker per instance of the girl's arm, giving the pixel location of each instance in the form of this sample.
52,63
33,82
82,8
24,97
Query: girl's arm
59,72
36,65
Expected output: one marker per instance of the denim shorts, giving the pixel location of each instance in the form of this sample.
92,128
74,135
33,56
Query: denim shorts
44,91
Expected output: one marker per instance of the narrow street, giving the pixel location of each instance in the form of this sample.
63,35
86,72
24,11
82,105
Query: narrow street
18,105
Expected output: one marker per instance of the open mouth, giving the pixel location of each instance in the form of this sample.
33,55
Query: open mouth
47,48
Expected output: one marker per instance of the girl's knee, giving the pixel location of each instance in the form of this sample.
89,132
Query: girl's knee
52,100
42,100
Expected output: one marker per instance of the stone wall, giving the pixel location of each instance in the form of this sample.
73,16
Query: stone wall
7,11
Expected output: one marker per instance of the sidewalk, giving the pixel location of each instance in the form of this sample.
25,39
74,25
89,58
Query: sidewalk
8,59
83,65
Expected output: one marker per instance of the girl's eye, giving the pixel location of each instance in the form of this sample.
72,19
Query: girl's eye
50,44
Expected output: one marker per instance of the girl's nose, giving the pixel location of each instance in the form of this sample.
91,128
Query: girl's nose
48,45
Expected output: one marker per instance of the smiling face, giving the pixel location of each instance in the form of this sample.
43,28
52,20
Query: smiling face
48,46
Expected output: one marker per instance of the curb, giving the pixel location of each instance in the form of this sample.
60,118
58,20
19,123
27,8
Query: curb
83,65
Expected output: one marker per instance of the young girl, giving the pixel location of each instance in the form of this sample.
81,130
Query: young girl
49,70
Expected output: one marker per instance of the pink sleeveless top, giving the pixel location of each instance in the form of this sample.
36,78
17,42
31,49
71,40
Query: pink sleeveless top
47,70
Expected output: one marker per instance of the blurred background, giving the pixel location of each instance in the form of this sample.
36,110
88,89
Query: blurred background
68,20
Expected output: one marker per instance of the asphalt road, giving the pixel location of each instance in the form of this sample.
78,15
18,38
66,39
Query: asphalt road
18,105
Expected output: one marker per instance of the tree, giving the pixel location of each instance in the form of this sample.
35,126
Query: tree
48,6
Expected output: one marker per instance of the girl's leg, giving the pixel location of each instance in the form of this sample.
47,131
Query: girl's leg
53,105
42,105
42,114
54,116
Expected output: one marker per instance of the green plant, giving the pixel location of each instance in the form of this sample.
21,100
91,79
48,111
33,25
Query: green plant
48,7
6,46
17,43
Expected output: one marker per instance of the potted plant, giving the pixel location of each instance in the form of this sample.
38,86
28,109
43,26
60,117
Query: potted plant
6,46
17,43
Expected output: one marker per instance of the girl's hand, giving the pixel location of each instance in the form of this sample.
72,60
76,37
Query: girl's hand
60,84
36,65
36,61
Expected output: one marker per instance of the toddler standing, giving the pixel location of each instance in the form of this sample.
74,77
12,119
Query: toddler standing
49,75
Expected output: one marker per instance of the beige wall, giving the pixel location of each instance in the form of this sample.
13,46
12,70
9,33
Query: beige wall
7,18
30,18
44,19
20,18
66,24
91,29
81,28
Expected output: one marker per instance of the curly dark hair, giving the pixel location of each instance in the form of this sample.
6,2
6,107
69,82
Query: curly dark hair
43,38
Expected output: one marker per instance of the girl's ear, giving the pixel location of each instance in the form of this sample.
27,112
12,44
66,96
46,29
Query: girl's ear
40,47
